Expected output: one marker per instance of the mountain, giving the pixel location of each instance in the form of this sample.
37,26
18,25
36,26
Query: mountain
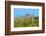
28,16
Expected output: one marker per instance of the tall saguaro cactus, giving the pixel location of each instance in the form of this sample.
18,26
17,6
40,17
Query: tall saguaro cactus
33,17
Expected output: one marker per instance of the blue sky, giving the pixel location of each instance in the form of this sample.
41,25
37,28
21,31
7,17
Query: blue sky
24,11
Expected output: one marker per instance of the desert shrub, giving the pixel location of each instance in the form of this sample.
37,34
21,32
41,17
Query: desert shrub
26,22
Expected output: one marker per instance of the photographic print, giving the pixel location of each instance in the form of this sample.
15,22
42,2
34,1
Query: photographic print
24,17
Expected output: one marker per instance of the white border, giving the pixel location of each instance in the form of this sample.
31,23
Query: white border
26,28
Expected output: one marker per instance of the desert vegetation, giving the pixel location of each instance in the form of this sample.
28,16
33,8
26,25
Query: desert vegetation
26,21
